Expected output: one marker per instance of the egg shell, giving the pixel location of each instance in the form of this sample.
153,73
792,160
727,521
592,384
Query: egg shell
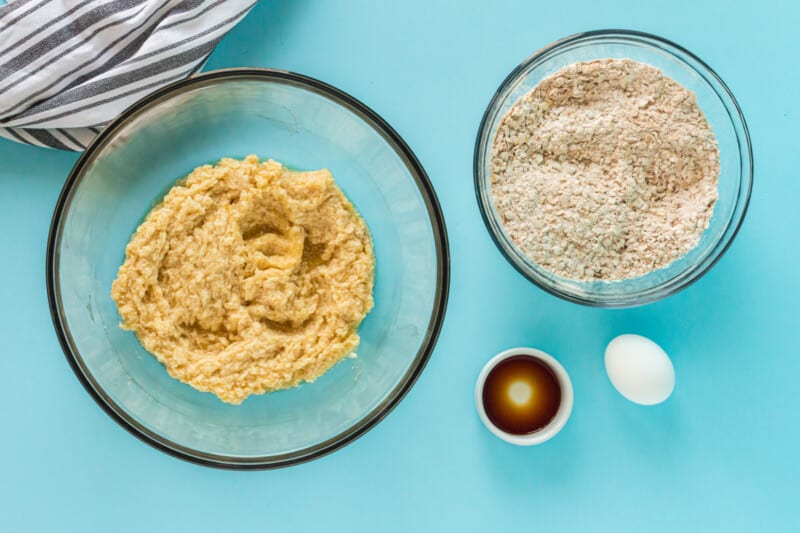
639,369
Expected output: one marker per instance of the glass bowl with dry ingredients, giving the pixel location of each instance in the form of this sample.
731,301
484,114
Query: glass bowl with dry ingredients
613,168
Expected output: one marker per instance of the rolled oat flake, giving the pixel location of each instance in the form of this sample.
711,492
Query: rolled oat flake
606,170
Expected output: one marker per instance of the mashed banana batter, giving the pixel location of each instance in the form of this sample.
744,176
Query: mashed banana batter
248,278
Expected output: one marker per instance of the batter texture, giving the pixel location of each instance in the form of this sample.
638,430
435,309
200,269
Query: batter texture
248,278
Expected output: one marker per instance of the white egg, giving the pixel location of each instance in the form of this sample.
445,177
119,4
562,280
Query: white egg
639,369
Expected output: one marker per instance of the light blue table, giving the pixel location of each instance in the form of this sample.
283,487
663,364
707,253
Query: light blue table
723,454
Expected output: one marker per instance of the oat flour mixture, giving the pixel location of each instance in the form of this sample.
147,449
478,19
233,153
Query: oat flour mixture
606,170
248,278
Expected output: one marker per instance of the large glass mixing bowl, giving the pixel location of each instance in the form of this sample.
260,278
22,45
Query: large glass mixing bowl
722,112
305,124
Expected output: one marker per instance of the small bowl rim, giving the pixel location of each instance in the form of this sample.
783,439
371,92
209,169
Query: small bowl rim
564,410
631,299
393,397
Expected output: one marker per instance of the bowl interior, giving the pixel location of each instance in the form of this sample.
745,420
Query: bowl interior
723,115
304,127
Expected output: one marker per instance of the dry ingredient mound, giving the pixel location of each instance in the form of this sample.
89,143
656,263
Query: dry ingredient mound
606,170
248,278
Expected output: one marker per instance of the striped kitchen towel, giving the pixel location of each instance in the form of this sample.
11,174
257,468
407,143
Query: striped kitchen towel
67,67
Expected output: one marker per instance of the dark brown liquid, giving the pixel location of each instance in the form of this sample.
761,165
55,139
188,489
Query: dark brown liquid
521,395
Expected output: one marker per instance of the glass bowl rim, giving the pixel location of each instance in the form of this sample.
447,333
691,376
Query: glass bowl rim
361,426
687,276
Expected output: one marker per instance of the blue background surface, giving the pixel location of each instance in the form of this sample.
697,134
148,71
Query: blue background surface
720,455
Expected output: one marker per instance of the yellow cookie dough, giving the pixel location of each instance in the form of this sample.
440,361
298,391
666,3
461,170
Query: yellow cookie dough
248,278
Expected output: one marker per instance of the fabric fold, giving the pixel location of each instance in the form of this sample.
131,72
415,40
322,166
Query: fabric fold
68,67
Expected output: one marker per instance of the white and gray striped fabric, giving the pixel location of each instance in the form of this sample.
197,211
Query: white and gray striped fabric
67,67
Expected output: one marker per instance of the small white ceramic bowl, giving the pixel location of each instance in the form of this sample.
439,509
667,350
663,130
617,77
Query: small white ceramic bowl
564,410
